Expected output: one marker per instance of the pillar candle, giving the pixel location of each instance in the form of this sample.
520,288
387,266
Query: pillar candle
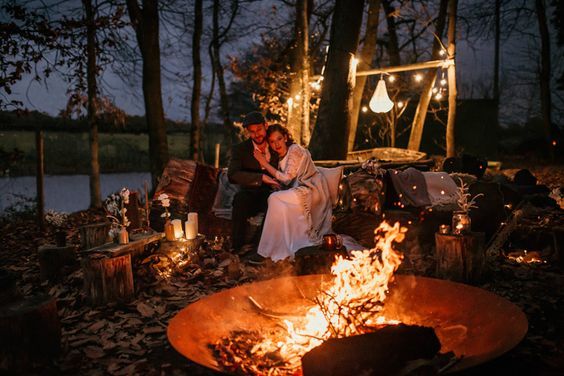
192,226
177,224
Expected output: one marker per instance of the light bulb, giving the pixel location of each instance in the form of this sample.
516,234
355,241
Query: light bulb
443,81
364,109
380,101
418,77
392,78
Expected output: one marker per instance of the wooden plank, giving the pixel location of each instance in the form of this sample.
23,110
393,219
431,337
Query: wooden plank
135,247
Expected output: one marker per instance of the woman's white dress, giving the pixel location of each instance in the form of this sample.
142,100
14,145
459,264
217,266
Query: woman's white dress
300,215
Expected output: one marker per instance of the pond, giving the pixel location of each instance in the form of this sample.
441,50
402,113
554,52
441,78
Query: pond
66,193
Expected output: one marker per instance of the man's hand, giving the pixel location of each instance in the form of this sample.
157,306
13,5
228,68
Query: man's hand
272,182
260,158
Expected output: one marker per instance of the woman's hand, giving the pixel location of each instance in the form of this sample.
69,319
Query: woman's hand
260,158
272,182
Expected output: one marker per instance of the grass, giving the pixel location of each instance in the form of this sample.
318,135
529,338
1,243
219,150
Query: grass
69,153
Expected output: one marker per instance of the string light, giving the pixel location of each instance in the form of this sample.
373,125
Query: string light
418,77
400,104
392,78
439,96
435,90
364,109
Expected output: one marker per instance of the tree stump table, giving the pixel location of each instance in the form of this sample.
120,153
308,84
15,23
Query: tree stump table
460,257
30,333
108,279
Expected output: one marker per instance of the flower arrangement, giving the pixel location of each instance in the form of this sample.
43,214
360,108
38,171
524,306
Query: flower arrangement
464,200
165,203
56,219
115,210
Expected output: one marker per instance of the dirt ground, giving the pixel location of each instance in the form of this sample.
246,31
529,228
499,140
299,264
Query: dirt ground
131,338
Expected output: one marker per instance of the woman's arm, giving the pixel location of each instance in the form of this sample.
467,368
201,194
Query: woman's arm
264,163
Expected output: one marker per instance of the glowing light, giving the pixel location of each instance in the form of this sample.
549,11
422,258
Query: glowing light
443,81
435,90
298,97
442,52
380,101
439,96
418,77
290,101
442,192
553,142
364,109
400,104
392,78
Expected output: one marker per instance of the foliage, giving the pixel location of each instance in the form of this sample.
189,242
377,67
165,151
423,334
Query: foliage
8,159
22,207
464,199
56,219
114,205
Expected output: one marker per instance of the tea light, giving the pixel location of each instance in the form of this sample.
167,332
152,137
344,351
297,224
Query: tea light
444,229
177,225
191,226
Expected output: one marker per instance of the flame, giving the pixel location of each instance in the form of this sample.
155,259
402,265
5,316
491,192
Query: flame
352,302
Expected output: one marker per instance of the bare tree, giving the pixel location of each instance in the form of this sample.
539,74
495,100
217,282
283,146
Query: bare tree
365,57
451,52
145,21
428,83
299,96
196,126
330,135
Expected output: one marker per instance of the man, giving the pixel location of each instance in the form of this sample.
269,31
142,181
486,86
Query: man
256,183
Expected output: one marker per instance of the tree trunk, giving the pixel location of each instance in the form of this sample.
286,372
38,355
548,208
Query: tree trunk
366,56
497,52
428,84
330,135
298,115
216,55
195,132
393,45
451,52
94,178
40,177
544,76
145,21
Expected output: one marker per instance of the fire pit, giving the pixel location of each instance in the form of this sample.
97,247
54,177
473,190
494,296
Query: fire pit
474,324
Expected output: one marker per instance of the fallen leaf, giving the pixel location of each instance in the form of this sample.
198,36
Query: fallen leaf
145,310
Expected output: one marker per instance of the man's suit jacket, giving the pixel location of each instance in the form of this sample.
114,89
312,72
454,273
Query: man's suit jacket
244,169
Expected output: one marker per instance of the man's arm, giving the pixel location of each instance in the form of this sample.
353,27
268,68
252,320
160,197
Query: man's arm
236,173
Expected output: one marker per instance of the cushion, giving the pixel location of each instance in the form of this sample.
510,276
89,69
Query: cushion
333,177
364,192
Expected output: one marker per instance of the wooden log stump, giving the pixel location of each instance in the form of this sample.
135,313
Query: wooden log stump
460,257
8,288
30,333
94,235
53,261
108,279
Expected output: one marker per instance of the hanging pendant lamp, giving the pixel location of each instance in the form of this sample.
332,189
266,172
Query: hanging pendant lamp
380,101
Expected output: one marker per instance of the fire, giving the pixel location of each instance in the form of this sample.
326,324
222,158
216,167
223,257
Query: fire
350,304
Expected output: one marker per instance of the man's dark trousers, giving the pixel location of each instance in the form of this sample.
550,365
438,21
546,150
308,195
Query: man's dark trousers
247,203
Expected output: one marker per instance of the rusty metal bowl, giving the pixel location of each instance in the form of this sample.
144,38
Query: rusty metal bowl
475,324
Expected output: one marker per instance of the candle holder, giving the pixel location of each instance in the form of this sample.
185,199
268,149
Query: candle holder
444,229
461,222
169,230
123,236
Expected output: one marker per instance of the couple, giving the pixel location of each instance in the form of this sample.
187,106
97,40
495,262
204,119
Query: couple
278,176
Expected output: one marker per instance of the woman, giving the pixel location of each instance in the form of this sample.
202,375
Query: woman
300,213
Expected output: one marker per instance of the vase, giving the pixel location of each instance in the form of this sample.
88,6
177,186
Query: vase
123,236
61,238
169,230
461,223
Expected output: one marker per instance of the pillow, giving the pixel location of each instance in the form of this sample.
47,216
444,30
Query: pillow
333,177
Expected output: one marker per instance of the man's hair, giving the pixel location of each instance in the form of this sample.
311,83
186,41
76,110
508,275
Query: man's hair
283,130
254,117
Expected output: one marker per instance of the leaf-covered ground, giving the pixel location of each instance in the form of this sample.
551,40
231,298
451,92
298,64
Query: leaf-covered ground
131,339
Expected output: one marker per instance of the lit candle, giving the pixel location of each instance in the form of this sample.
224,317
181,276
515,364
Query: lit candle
444,229
177,224
191,226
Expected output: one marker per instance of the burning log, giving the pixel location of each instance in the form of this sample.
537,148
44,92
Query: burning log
30,333
387,351
108,279
460,257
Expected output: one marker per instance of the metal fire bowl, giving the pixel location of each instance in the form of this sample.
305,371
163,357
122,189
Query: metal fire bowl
475,324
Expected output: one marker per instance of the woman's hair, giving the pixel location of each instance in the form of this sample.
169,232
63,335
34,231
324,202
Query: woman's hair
283,130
